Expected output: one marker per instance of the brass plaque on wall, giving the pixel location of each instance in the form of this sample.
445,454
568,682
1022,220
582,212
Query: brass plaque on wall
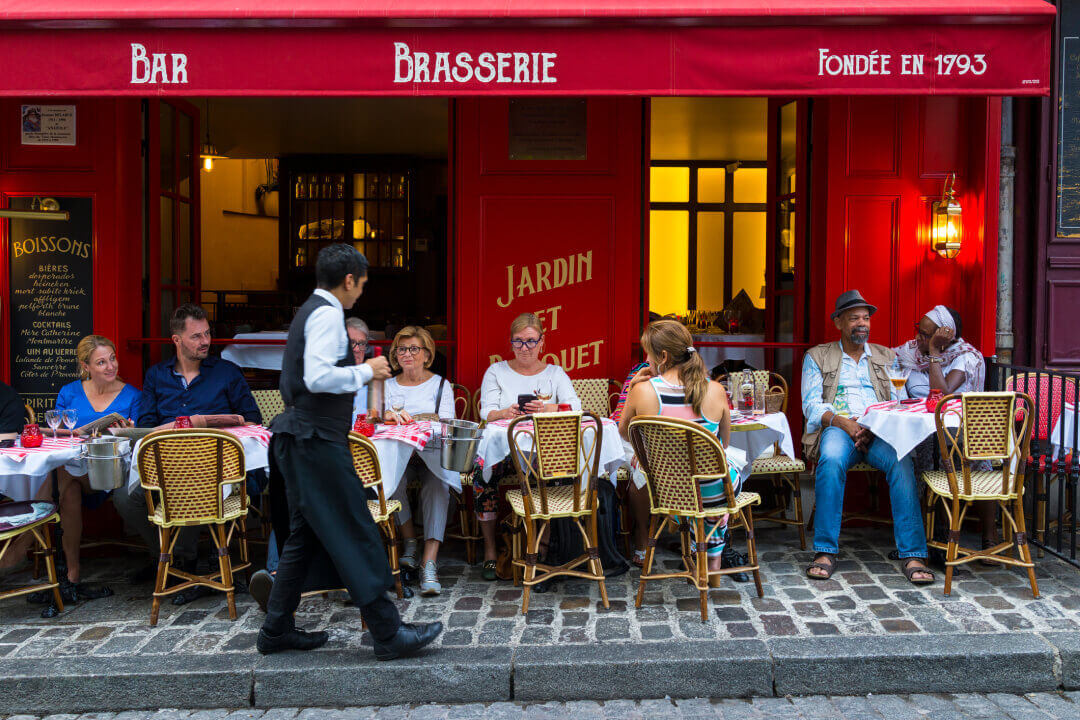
548,129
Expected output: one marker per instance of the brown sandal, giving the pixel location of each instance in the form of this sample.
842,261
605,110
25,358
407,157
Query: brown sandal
909,571
828,567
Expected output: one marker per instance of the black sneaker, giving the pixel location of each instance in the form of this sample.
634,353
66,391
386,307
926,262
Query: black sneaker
733,558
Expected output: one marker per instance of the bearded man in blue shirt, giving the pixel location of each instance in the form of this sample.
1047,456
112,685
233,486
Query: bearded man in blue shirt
840,380
189,384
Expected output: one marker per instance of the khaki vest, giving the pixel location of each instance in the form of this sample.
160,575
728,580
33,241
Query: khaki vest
829,357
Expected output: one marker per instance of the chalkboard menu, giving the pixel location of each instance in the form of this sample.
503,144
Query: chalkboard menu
1068,189
52,290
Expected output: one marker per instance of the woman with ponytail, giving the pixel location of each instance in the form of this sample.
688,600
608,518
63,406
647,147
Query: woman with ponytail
675,384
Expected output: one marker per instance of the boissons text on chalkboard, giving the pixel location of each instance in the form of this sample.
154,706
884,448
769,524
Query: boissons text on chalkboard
52,290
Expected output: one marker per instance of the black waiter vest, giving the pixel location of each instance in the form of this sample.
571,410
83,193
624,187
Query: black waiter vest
307,414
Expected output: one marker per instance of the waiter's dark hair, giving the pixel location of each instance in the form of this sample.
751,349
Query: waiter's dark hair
335,262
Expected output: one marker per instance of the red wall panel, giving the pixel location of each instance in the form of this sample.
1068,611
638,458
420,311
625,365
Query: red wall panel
561,237
886,163
104,165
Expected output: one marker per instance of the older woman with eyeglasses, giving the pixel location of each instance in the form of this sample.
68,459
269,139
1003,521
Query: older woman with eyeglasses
503,383
418,391
357,331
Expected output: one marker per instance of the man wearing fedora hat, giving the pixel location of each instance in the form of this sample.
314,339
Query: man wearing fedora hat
839,381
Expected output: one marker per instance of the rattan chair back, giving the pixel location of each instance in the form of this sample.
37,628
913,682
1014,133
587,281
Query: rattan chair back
1051,393
595,395
269,403
774,382
675,455
987,431
463,405
563,446
29,418
475,406
188,469
366,462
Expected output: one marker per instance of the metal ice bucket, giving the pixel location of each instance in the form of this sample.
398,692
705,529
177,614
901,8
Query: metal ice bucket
458,444
106,460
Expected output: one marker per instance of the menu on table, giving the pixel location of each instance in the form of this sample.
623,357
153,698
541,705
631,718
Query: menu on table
51,301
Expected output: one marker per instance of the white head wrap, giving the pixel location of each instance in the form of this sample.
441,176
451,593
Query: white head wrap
941,317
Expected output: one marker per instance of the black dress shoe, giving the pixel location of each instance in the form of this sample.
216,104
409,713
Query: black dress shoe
733,558
292,640
260,586
409,639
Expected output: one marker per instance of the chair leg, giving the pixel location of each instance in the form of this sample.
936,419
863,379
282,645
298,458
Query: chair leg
225,564
466,530
532,548
162,572
1023,549
751,547
954,545
1041,492
702,567
50,564
646,568
796,490
392,555
594,557
515,551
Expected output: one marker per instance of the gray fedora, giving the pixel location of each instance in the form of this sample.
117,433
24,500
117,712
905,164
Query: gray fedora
851,299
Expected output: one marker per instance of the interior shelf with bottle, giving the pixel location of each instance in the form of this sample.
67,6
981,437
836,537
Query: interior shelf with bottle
333,199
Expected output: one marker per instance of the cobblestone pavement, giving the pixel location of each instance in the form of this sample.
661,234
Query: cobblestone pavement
867,596
1036,706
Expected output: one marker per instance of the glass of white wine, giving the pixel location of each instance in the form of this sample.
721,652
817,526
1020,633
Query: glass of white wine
52,419
70,418
543,391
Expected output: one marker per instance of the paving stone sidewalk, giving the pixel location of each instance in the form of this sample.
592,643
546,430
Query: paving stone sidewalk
866,597
1034,706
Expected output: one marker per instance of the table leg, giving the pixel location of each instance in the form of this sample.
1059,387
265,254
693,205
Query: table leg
58,547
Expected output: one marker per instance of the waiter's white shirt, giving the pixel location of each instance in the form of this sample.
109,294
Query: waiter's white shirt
325,343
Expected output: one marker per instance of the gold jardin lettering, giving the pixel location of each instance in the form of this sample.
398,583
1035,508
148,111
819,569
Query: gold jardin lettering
562,271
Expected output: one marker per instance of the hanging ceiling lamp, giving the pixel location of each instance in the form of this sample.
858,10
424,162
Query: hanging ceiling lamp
208,153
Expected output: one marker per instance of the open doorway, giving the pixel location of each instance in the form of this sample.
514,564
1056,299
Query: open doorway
297,174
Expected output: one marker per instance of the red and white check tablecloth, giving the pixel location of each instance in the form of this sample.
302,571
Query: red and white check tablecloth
49,445
903,426
417,434
261,434
915,407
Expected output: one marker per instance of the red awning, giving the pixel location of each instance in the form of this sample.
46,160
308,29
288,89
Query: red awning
484,47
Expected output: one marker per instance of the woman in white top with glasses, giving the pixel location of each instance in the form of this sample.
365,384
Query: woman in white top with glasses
525,374
418,391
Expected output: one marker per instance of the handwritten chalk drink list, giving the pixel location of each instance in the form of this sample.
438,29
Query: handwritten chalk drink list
51,303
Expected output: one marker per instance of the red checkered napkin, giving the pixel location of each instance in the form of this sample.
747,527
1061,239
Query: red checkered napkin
258,432
917,408
417,434
48,445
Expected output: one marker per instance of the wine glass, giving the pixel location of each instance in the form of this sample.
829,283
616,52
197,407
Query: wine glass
898,376
397,404
70,417
543,391
52,419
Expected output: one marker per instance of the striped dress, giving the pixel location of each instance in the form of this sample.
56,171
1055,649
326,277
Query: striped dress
673,404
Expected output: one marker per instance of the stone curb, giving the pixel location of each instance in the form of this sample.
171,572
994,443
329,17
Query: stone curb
111,684
715,668
343,678
1011,663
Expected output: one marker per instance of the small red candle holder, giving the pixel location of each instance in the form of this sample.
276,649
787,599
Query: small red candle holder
31,436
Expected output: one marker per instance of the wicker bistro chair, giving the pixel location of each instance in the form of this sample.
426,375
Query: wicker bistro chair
595,395
1050,393
676,455
184,473
987,432
366,461
269,403
12,528
561,450
783,470
29,417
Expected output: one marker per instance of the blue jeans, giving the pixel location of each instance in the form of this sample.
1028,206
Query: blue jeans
836,454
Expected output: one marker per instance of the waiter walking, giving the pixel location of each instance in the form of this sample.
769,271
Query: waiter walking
332,539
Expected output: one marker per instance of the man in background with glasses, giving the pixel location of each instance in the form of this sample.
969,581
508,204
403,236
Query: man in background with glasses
358,333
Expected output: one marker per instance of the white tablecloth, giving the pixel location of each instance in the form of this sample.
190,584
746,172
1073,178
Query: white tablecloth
21,479
713,356
754,435
495,447
394,457
904,428
256,456
261,357
1066,423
